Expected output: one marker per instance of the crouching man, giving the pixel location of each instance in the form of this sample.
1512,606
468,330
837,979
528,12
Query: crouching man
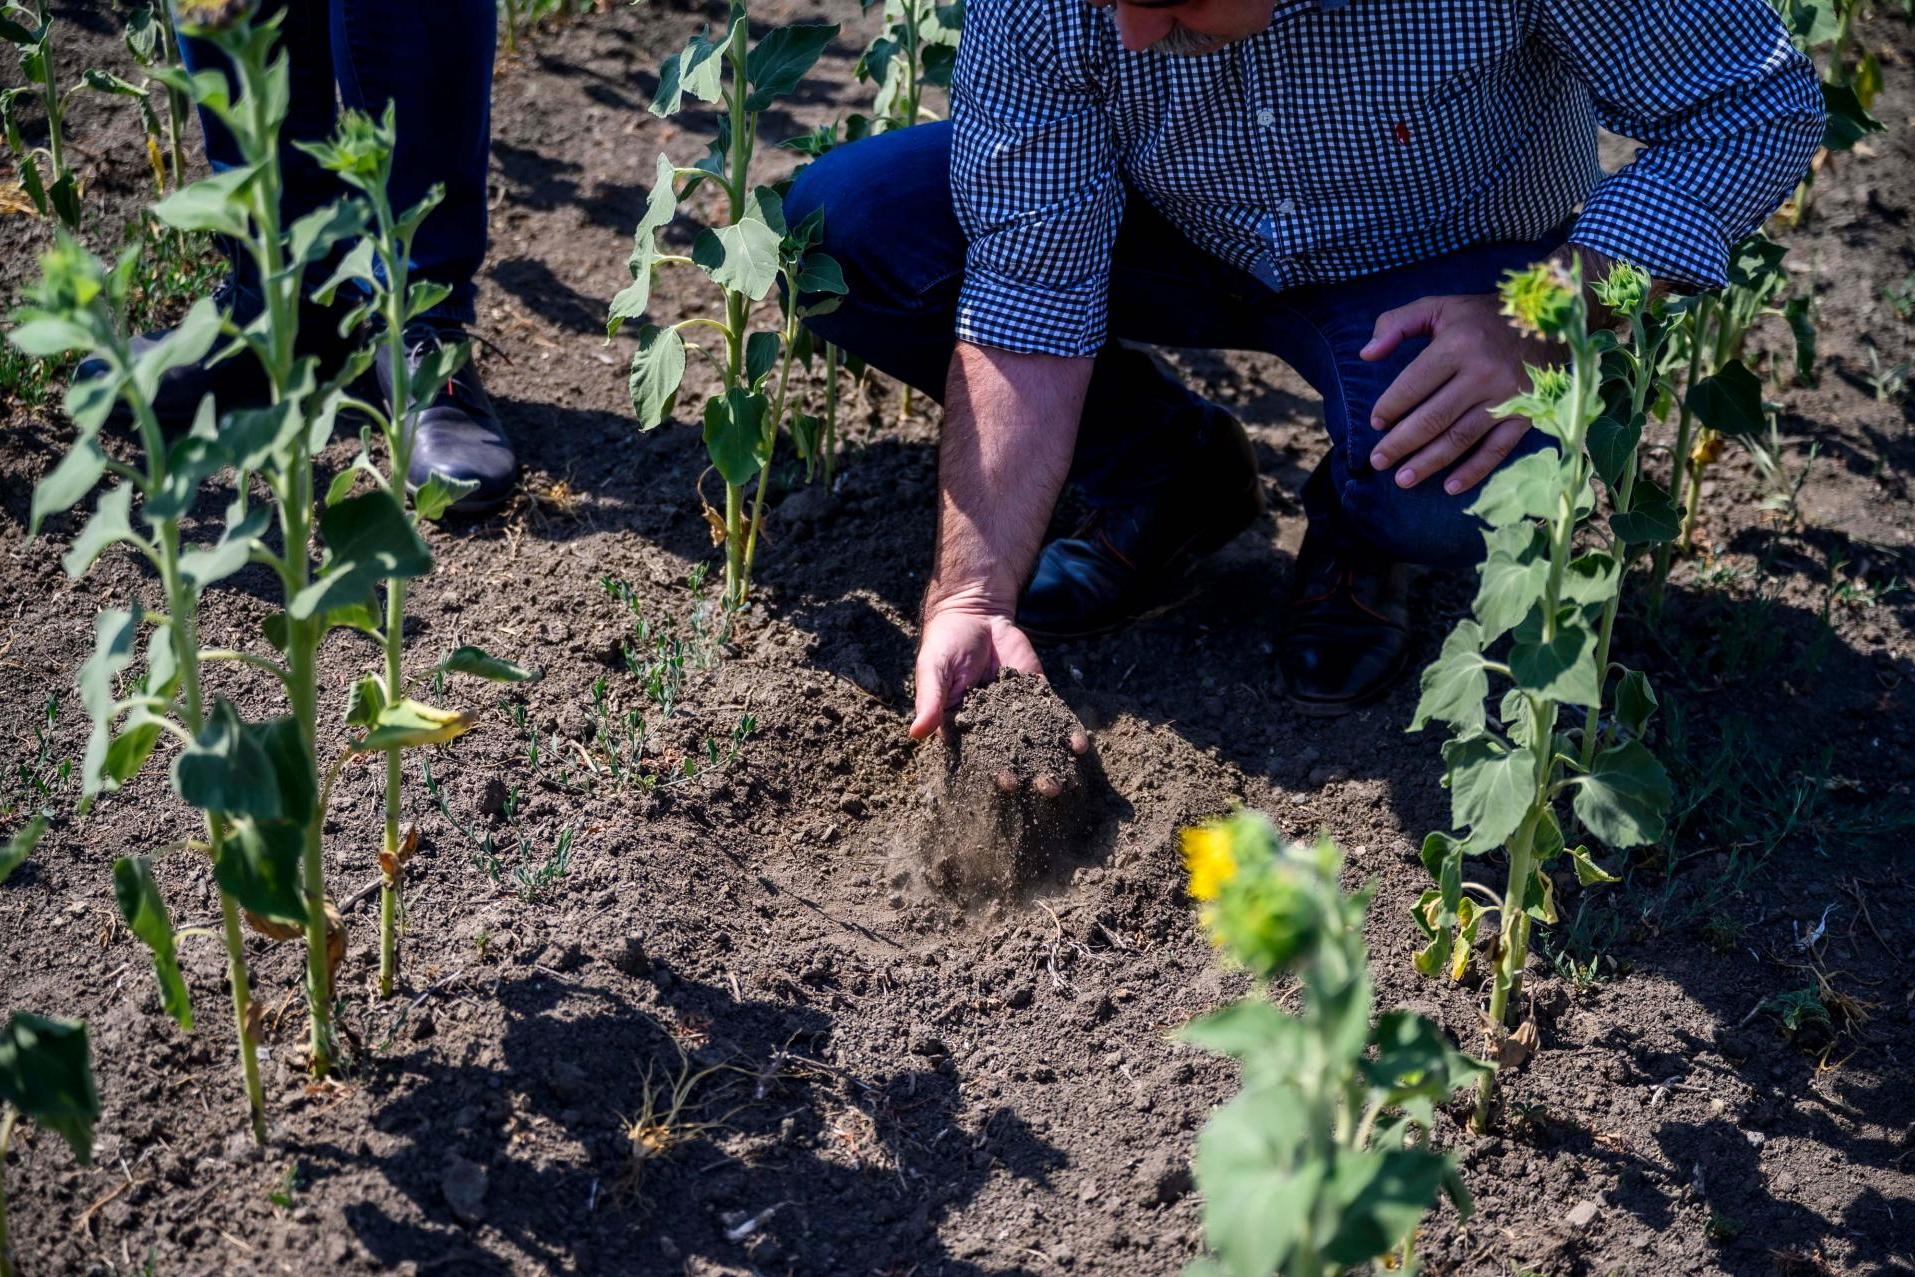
1340,183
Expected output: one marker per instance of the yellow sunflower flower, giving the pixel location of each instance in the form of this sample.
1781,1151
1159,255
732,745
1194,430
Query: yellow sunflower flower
1209,859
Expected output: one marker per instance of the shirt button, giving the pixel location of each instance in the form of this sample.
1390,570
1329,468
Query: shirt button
1266,117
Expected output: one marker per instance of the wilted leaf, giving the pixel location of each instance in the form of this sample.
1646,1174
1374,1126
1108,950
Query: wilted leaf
478,663
407,723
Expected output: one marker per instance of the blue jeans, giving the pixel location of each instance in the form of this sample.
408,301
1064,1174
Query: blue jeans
888,220
433,60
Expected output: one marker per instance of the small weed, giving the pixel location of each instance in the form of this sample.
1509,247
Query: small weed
1721,1229
1799,1010
1888,381
288,1189
1900,297
1723,933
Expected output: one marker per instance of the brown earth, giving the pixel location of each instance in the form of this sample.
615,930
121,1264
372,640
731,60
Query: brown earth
877,1079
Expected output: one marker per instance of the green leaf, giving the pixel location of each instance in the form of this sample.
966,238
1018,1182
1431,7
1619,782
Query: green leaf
779,61
477,663
1380,1197
358,265
46,1072
1611,446
408,723
742,257
111,523
1270,1044
189,463
364,701
263,770
1491,788
1456,683
115,636
437,367
660,207
1416,1066
735,435
1625,797
368,539
145,912
439,494
1260,1187
1635,701
1848,120
129,750
658,370
697,69
761,357
1588,872
1526,488
1730,401
821,273
72,479
359,615
217,204
1590,578
259,867
1562,669
1652,519
1513,578
203,566
313,236
21,845
50,337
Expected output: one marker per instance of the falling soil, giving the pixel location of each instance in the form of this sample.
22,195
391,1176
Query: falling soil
719,1035
1014,789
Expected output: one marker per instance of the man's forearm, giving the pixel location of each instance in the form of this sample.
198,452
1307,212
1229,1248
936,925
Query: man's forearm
1010,425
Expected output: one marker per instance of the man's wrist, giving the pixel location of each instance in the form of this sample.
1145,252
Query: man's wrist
978,597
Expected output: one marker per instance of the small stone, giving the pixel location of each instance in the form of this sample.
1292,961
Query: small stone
1020,997
464,1186
851,805
927,1045
1581,1215
1162,1179
423,1026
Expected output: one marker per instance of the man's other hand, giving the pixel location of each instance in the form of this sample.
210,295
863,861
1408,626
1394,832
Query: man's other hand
963,646
1439,410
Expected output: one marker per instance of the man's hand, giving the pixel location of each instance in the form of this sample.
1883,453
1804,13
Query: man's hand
964,644
1439,409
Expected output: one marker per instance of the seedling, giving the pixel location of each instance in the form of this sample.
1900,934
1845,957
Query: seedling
378,270
751,250
46,1077
1851,80
1323,1163
1506,774
55,193
917,49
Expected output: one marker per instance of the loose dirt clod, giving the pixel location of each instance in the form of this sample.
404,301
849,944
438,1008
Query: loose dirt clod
1010,802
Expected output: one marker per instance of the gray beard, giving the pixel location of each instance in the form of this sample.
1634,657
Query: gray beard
1182,42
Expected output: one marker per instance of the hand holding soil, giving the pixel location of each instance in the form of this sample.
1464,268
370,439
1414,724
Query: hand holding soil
1013,794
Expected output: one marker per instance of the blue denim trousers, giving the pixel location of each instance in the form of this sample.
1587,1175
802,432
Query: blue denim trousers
432,59
888,220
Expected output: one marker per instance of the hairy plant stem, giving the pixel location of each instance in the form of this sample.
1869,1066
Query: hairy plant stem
831,413
772,421
7,1119
293,489
737,310
175,108
511,26
1647,356
1680,461
394,301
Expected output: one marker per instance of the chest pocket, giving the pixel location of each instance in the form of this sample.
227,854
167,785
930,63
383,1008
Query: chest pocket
1398,95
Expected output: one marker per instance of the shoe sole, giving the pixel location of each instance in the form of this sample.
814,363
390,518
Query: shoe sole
1195,551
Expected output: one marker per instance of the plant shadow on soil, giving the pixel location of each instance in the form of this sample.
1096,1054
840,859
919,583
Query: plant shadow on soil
575,1082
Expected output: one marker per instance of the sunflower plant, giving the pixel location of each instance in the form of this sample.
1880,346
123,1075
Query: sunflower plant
1541,623
1323,1164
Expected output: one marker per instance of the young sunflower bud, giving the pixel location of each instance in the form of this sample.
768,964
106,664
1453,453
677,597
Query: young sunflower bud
1541,300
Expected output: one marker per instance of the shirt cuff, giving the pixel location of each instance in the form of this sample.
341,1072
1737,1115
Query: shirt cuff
1032,319
1635,218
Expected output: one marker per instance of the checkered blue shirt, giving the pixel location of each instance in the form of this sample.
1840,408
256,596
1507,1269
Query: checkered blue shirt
1356,135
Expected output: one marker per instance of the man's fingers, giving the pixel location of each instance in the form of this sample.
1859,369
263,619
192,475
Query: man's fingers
1479,465
1422,429
1427,374
1006,782
932,695
1393,327
1080,744
1047,785
1445,445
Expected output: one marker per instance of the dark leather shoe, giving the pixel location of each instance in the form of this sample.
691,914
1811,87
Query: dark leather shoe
457,434
234,382
1128,557
1345,636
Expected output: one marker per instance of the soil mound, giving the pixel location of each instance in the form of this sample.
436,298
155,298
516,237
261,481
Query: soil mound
1011,800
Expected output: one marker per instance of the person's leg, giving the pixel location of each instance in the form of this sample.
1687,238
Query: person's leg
310,114
432,63
1346,634
1166,474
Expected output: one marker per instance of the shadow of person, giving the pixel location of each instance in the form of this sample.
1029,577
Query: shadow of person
605,1135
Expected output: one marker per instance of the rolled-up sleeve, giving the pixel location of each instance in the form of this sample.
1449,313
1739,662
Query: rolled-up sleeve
1729,113
1034,177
